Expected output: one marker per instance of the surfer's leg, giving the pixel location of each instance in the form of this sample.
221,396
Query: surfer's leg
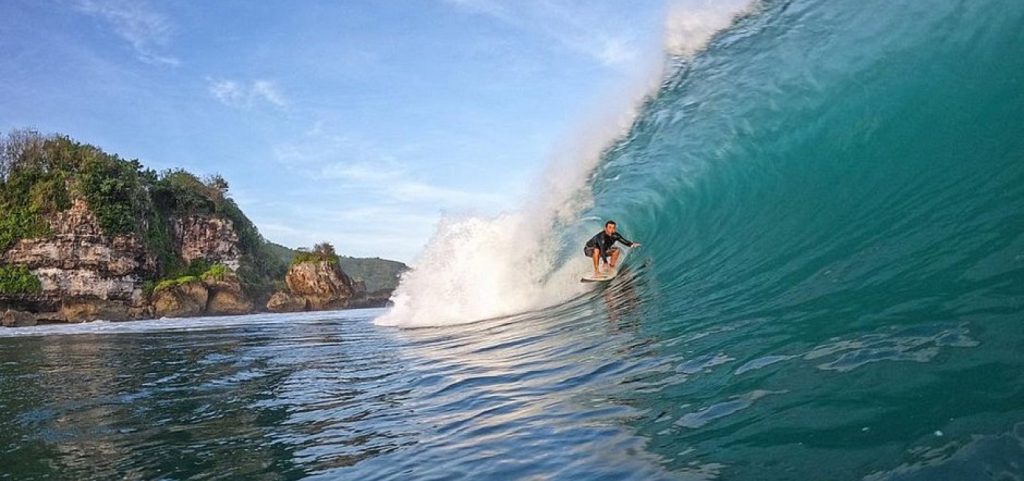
596,255
615,258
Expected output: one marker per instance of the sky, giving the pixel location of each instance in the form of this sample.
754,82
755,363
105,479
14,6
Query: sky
361,123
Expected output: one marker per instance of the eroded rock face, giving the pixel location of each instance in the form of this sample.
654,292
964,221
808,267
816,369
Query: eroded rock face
13,318
90,274
210,238
322,284
182,300
226,297
286,302
86,275
85,310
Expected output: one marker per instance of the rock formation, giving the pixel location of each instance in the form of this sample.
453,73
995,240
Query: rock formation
226,297
206,296
314,285
87,235
86,273
208,238
12,318
181,300
283,301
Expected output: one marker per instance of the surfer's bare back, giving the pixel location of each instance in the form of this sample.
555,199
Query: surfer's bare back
602,246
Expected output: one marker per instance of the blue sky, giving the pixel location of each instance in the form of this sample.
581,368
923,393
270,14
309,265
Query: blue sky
360,123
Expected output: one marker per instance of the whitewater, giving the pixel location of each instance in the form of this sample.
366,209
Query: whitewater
830,197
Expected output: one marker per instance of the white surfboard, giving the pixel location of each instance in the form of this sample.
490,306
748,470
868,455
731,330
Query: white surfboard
603,277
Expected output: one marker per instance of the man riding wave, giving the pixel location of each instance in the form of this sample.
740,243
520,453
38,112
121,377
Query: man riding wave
602,246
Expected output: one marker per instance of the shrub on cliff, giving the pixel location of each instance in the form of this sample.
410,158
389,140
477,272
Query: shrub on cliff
18,280
216,272
197,270
32,183
177,281
322,252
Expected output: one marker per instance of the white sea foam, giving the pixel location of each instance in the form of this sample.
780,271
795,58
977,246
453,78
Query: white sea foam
475,268
690,24
190,324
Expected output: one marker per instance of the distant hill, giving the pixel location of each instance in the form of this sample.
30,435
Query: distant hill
377,273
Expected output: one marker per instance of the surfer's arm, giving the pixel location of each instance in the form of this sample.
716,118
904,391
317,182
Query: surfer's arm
624,240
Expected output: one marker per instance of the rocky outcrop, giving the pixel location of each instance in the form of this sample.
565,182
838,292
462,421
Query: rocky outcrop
195,297
286,302
212,239
323,284
88,309
226,297
89,274
319,285
12,318
181,300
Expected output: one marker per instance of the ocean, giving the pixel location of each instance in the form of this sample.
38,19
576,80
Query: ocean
830,201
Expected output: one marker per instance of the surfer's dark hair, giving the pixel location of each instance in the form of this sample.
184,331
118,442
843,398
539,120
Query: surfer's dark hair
610,222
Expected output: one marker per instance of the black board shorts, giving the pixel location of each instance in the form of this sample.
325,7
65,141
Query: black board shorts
589,251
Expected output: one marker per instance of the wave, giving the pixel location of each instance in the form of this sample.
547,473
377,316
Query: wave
793,152
476,268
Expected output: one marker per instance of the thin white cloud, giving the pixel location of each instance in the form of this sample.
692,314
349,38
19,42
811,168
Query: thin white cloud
268,91
244,96
357,164
578,27
364,172
147,31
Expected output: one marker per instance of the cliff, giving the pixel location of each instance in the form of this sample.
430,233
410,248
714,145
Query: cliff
87,235
84,274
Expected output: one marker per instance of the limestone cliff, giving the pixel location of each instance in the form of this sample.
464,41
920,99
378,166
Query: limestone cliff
84,273
89,235
209,238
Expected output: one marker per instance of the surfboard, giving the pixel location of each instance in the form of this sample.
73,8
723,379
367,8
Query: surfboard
603,277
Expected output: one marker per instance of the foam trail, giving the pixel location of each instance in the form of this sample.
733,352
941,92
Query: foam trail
475,268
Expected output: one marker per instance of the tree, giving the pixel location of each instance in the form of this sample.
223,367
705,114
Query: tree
218,187
325,249
16,147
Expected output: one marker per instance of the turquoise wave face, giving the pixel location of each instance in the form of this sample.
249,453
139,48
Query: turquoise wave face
834,191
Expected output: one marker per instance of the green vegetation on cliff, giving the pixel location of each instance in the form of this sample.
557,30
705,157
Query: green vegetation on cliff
177,281
198,270
41,175
18,280
32,184
322,252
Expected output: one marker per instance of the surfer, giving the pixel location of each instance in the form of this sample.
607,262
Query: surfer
602,245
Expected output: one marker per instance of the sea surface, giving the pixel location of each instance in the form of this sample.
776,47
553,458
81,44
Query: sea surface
830,197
